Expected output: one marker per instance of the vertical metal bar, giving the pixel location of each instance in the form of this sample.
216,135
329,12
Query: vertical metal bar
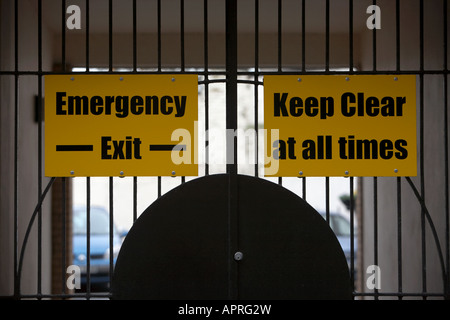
63,34
350,32
134,199
88,237
88,179
182,45
182,35
447,191
206,126
374,68
374,45
159,53
87,35
16,148
159,187
231,145
135,70
399,190
327,199
206,66
375,226
111,186
422,152
159,34
63,235
352,234
397,33
205,37
134,38
303,36
304,188
256,87
399,235
303,70
39,284
327,35
280,23
231,84
111,229
256,115
110,35
327,69
446,140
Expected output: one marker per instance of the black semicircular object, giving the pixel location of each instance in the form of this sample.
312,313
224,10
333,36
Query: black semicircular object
180,248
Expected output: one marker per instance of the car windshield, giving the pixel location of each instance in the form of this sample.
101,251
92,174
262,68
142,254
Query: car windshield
99,221
340,226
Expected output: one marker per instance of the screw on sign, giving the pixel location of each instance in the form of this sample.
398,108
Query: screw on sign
238,256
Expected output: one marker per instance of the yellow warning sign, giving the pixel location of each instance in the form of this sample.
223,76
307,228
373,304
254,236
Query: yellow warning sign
340,125
120,125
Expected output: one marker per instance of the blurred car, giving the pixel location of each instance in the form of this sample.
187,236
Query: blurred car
340,224
99,252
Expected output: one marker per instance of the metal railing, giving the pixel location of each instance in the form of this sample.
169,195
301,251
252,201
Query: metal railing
231,75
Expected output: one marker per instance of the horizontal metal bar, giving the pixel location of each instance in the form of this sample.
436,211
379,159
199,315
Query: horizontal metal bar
109,295
239,73
62,295
251,82
344,72
209,81
399,294
146,72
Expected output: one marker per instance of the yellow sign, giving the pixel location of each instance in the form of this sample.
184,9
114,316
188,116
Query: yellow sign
333,125
120,125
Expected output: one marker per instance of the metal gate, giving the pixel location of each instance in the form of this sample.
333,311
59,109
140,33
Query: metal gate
402,223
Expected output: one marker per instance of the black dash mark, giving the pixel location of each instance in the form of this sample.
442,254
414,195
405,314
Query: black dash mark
74,147
167,147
